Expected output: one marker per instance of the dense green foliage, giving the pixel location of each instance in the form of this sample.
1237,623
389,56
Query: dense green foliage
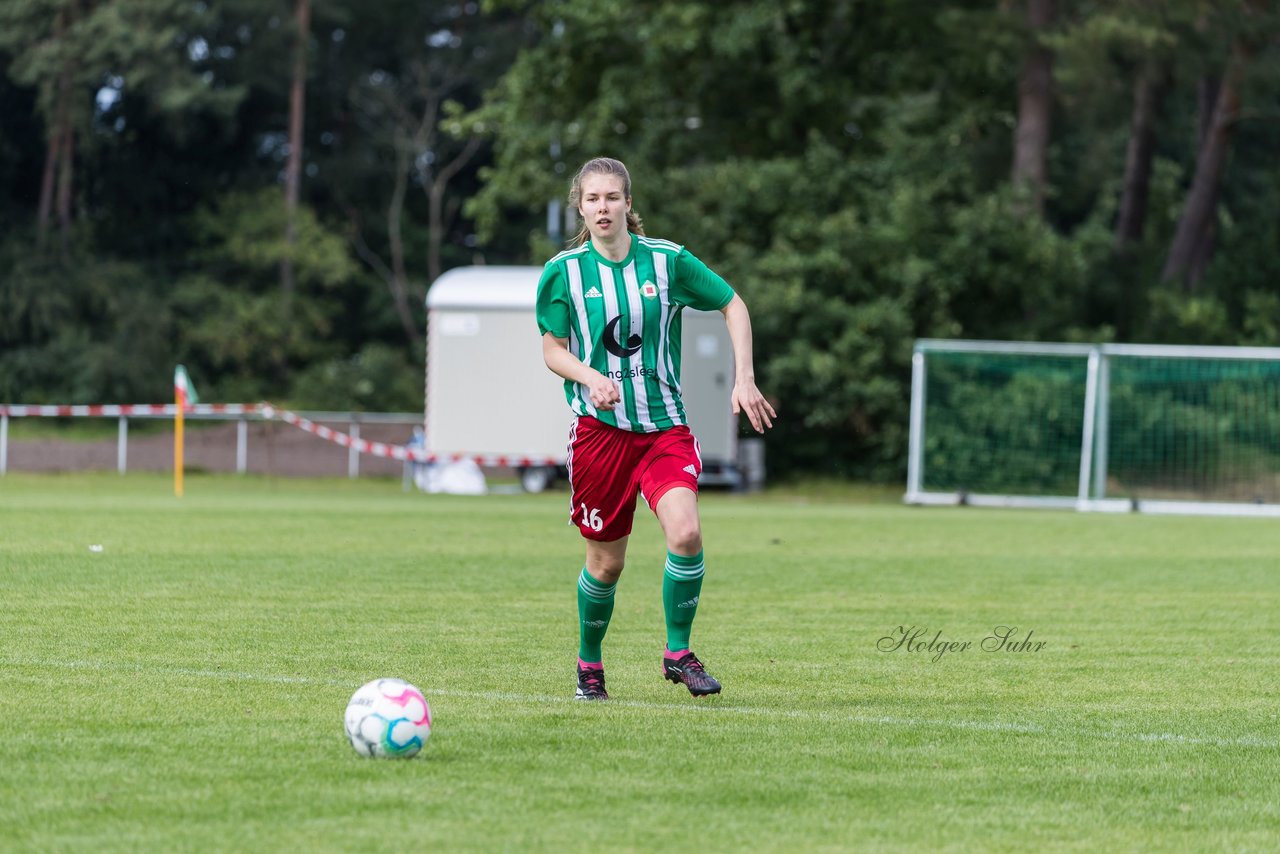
177,235
183,688
845,165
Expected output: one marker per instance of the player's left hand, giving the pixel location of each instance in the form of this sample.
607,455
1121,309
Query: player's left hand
747,398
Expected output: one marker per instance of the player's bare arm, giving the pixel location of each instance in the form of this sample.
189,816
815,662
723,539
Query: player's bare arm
746,397
602,390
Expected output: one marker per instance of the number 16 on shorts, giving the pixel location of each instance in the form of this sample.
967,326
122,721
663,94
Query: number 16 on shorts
591,518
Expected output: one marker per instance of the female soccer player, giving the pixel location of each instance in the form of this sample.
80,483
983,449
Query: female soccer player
609,313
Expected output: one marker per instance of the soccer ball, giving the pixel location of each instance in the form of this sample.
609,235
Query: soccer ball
388,717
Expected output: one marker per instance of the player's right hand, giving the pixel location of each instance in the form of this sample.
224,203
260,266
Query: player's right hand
603,392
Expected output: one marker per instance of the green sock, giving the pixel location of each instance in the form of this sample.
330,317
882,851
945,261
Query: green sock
595,607
681,584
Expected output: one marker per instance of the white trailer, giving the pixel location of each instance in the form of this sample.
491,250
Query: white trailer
490,395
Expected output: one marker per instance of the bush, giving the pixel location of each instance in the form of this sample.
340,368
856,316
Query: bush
377,379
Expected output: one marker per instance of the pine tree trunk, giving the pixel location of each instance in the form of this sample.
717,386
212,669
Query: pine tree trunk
293,168
1035,102
45,209
53,147
1192,246
1207,89
66,176
398,281
1148,91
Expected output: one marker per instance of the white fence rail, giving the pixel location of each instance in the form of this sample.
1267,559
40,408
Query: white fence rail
241,414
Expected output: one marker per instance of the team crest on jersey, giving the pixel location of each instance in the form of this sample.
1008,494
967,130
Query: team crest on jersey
649,289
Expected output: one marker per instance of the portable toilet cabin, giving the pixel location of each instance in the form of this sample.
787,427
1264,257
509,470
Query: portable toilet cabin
490,397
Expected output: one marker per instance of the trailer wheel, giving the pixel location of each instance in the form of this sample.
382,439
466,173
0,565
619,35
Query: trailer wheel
537,478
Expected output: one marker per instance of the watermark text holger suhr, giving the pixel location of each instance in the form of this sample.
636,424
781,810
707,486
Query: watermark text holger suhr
919,639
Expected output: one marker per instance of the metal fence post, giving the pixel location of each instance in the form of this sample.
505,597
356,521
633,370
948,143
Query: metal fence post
122,446
242,445
353,455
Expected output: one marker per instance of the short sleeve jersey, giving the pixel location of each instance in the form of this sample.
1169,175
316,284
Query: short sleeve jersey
623,319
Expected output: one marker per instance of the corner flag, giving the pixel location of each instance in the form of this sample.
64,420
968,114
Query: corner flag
184,394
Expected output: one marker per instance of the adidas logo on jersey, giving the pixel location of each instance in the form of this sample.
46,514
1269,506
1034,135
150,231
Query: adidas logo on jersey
594,292
691,470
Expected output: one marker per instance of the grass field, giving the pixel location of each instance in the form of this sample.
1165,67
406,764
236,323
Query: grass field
183,688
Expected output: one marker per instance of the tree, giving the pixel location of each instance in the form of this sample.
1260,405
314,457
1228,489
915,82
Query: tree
1035,106
1192,244
406,102
67,49
1148,92
237,324
1109,55
297,118
43,34
844,169
408,113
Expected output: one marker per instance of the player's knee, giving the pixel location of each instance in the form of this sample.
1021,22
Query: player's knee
605,569
685,537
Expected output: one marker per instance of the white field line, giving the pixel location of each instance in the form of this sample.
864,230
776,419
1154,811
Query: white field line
709,706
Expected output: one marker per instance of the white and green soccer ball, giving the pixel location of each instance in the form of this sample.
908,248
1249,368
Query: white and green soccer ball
388,718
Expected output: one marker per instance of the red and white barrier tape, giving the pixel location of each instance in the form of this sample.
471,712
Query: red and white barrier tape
266,410
399,452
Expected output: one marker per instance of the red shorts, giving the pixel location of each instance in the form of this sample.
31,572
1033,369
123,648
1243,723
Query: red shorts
607,466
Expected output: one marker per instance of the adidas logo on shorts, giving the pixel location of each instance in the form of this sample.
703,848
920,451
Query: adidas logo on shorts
691,470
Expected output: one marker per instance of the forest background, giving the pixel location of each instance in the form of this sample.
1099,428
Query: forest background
263,190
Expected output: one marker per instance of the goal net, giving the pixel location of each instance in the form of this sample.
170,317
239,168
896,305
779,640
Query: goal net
1096,427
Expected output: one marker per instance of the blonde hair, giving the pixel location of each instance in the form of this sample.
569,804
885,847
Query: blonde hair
602,166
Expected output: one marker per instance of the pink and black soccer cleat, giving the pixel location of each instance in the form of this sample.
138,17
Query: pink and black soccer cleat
591,684
687,670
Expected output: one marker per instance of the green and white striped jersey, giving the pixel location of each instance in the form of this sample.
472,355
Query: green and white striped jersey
623,319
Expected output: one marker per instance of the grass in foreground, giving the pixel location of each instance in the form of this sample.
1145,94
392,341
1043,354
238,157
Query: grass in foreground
183,688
